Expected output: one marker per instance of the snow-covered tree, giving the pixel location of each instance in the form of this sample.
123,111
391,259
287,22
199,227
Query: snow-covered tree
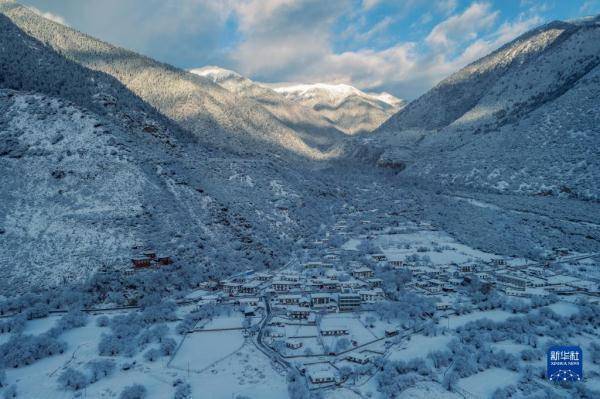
135,391
73,379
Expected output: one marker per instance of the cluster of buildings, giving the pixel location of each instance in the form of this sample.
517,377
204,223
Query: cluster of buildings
149,258
318,287
513,280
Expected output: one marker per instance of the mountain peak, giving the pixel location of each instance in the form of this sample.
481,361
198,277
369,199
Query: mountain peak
217,74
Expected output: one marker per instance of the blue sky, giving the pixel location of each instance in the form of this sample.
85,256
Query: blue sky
400,46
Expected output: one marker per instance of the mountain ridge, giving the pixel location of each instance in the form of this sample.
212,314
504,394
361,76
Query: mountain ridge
486,115
213,114
340,106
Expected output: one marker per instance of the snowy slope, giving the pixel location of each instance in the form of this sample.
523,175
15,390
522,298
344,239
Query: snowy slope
349,109
88,169
209,111
313,127
80,191
74,186
522,119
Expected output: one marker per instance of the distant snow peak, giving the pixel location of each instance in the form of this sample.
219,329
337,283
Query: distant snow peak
334,92
322,108
215,73
389,99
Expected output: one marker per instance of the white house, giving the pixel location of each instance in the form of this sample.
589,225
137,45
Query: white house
334,330
321,376
362,273
360,358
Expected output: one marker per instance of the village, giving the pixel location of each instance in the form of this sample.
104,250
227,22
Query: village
376,304
320,316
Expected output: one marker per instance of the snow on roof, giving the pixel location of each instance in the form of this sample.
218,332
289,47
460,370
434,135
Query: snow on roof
361,355
298,309
335,327
290,296
562,279
320,374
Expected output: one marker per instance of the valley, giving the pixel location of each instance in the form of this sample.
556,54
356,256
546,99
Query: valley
184,233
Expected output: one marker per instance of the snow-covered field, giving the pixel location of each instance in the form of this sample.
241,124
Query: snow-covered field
202,349
458,321
483,384
419,346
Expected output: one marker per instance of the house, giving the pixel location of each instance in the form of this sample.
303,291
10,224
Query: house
283,285
316,265
324,284
562,289
391,333
348,302
320,299
210,285
443,305
292,299
231,288
251,287
379,257
362,273
334,330
249,311
321,376
374,282
296,312
332,274
371,295
304,302
290,276
164,260
498,262
149,254
141,263
293,344
511,279
331,257
263,276
396,263
467,268
360,358
249,301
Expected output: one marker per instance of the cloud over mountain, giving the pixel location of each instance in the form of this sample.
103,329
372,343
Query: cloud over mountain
377,45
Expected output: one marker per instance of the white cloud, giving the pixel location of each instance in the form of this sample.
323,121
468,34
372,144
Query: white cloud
297,40
51,16
368,4
590,7
283,42
463,27
446,6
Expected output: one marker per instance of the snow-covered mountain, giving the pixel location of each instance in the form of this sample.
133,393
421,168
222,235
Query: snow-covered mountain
215,115
313,127
312,106
89,170
350,109
522,119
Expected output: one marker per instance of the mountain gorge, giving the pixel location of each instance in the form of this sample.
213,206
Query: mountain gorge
104,151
